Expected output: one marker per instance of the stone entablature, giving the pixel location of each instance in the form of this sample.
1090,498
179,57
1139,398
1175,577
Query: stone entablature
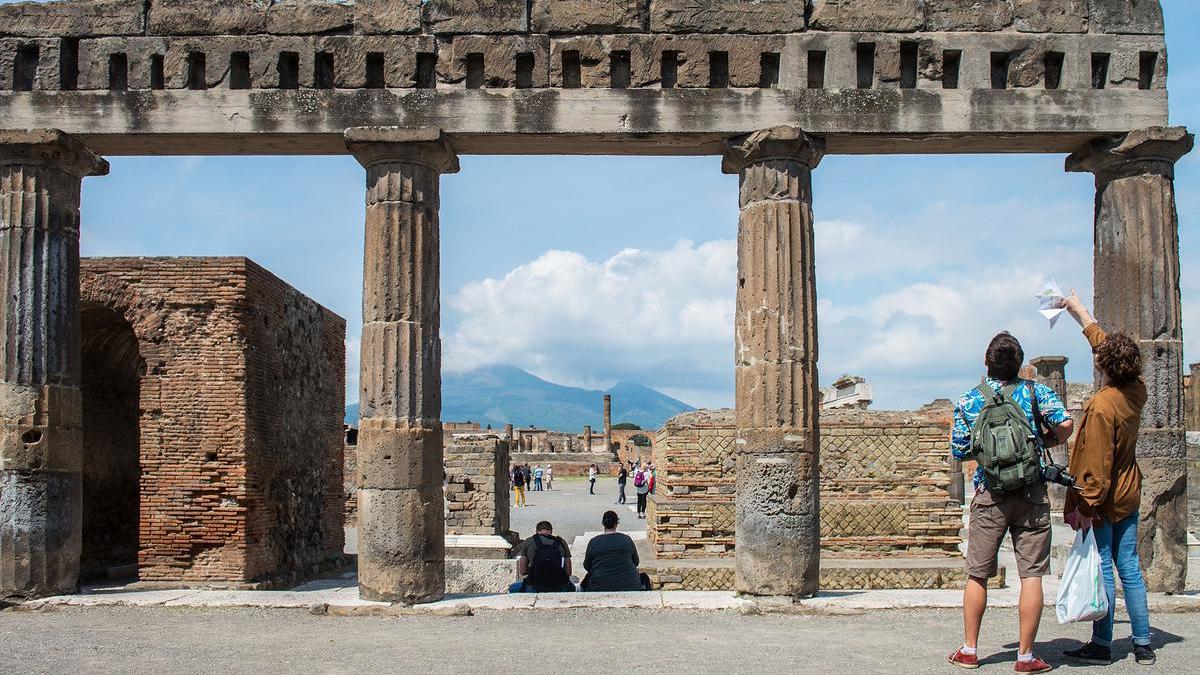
306,70
885,485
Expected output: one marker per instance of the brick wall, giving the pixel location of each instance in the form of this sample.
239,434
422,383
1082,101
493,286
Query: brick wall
230,441
885,485
477,494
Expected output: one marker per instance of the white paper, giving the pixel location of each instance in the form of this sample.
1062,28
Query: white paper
1050,300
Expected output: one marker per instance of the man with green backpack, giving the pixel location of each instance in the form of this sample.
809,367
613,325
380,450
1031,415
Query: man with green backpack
1005,424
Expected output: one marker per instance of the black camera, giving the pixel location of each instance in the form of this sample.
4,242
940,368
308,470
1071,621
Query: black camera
1054,473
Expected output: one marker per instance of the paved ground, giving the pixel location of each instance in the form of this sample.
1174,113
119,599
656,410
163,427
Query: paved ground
157,640
573,511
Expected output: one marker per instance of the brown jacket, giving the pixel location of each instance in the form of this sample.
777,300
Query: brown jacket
1103,459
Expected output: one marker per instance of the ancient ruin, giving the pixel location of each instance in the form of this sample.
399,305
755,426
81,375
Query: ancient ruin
406,86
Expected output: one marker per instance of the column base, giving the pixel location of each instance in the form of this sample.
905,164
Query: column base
401,545
41,530
778,545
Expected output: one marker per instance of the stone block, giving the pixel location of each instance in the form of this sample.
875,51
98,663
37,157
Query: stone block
727,16
306,17
81,18
573,17
480,576
1162,525
400,376
499,54
465,17
968,15
399,459
871,16
1051,16
387,16
1162,444
40,532
399,57
207,17
1132,17
401,545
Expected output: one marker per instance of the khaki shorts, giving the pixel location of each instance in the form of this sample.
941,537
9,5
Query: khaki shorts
1026,515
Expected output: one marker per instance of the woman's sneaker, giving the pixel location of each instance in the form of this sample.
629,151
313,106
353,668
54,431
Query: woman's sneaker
1144,655
1092,653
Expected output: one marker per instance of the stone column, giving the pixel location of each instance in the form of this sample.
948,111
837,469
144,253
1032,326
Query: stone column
587,438
608,423
777,395
508,433
1051,371
1193,399
41,454
1137,293
401,526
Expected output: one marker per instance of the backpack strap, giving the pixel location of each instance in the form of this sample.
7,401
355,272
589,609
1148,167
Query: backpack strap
989,394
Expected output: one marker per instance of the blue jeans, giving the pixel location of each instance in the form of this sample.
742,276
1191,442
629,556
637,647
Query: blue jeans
1118,544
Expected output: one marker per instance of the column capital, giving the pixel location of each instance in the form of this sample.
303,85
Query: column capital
52,148
1048,361
1151,151
784,142
426,146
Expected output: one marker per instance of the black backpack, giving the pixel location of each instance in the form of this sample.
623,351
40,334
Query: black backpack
546,570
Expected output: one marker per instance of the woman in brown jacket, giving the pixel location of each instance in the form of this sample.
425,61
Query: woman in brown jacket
1110,484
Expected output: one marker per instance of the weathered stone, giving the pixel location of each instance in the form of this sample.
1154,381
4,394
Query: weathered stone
1137,293
877,16
387,16
401,545
398,459
500,60
1051,16
778,519
480,576
81,18
1136,17
465,17
304,17
968,15
207,17
478,470
727,16
1027,68
40,488
589,16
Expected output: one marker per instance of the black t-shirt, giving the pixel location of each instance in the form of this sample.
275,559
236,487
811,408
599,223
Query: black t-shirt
612,563
623,476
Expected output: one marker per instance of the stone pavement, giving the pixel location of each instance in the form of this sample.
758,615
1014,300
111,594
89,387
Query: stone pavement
235,641
573,511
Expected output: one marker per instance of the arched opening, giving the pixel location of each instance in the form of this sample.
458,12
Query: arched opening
111,467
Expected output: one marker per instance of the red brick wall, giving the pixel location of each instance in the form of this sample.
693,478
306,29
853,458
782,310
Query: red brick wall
207,499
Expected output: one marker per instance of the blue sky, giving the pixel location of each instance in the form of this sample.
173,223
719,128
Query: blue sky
588,271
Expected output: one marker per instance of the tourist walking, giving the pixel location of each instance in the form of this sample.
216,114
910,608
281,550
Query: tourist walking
543,563
549,477
612,561
1110,484
592,479
995,424
641,484
518,482
622,478
538,473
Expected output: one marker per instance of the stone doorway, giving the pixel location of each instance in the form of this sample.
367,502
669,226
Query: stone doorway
112,367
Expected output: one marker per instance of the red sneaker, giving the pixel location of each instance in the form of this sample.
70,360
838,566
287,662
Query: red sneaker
968,661
1035,666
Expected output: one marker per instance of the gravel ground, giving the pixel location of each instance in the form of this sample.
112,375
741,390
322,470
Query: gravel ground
156,640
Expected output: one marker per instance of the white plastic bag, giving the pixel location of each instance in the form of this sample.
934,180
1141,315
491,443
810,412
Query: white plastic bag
1081,595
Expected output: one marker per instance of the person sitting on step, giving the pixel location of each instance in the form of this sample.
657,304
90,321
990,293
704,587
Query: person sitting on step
544,563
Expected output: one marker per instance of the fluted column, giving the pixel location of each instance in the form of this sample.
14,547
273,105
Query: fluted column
1137,293
1052,372
401,522
777,396
40,444
608,446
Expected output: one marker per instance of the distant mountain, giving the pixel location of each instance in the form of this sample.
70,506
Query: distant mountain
499,395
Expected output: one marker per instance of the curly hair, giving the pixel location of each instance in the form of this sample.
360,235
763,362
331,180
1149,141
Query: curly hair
1004,357
1120,359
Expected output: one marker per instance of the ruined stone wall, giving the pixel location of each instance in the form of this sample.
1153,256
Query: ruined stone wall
885,485
214,478
1193,468
350,485
477,487
1191,393
295,404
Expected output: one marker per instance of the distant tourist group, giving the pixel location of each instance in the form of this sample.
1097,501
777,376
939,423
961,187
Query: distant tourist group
525,479
1005,425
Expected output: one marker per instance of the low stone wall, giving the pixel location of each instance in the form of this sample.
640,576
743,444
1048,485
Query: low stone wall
568,463
720,577
1193,469
477,486
885,485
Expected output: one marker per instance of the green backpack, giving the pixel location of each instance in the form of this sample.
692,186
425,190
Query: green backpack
1004,444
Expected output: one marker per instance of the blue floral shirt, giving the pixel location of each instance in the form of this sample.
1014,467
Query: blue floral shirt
972,402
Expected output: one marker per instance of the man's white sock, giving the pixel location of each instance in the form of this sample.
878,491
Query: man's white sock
969,651
1024,658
